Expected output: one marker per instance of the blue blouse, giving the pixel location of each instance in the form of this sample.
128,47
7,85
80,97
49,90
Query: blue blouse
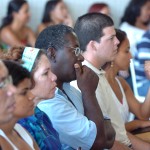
40,127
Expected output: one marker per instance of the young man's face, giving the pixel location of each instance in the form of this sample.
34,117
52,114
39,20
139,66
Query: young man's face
66,58
107,47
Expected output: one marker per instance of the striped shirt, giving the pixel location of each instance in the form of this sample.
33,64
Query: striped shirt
143,54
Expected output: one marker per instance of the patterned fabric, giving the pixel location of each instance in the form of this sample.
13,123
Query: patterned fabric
40,127
143,54
134,35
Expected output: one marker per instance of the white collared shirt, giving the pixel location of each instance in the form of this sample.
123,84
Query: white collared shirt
75,130
106,100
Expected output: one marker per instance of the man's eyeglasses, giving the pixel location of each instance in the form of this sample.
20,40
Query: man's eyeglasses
6,82
77,51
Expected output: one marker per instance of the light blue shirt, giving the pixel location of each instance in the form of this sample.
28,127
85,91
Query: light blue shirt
75,130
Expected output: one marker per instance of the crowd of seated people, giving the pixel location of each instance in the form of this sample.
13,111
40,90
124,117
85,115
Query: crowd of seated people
14,30
61,89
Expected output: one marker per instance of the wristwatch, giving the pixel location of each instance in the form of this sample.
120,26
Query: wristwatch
106,118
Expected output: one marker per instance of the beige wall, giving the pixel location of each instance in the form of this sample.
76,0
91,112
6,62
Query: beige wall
76,7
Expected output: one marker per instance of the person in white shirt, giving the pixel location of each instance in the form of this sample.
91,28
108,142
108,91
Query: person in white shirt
135,22
97,37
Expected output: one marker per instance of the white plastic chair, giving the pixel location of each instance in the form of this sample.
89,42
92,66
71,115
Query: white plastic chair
135,90
133,75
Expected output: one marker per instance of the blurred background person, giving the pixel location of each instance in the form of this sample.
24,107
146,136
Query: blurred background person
142,55
135,21
100,7
14,31
56,12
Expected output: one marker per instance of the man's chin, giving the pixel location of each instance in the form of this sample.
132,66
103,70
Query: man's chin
146,23
72,78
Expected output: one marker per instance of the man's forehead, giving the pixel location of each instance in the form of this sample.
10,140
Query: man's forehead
72,38
108,31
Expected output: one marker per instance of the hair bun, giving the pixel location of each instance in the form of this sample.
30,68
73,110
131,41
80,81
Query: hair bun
15,54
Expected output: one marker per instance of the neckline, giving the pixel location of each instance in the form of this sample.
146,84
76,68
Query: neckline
63,91
120,87
8,140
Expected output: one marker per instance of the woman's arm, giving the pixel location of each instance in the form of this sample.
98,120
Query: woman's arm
135,124
31,37
8,37
141,110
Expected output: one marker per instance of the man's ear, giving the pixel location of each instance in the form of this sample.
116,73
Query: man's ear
92,45
14,14
51,53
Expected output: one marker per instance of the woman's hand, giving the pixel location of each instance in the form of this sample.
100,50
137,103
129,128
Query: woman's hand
147,68
144,124
68,21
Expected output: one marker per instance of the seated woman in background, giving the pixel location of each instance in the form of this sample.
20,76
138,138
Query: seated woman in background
100,7
135,21
7,91
12,135
125,98
44,85
14,31
55,12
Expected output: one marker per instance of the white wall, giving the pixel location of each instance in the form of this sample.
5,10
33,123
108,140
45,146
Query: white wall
76,7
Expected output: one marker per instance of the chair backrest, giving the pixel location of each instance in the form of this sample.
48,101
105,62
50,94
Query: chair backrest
133,75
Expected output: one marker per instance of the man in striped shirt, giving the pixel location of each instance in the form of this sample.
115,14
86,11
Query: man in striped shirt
143,54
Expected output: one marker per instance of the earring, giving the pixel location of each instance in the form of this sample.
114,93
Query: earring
112,64
54,58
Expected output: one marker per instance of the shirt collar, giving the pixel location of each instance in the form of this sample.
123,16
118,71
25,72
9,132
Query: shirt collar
97,71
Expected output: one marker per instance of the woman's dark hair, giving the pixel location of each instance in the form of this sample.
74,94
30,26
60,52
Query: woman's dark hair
15,54
13,6
50,6
121,36
97,7
133,11
17,72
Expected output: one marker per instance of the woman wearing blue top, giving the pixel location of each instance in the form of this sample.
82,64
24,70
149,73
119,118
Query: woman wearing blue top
39,126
